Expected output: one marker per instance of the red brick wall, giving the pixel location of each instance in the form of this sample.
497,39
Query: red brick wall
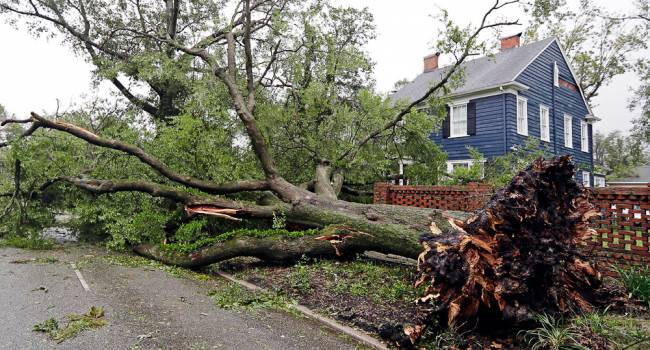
463,198
622,232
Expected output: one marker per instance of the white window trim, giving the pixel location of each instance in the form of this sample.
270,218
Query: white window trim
524,127
556,75
451,118
469,162
548,123
584,138
586,176
599,181
568,142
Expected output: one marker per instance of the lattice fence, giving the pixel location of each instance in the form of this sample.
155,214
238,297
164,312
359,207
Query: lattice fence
623,228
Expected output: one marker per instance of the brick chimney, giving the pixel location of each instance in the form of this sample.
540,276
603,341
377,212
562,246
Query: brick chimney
510,41
431,62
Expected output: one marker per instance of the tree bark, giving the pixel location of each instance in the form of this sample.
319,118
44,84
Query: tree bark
322,180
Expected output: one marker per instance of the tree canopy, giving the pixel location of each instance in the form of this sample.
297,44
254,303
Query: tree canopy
233,100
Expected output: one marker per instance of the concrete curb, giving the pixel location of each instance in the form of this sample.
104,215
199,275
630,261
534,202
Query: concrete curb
328,322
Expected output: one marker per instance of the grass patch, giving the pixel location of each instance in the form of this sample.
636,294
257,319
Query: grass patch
617,332
636,281
377,281
620,332
32,242
186,248
76,324
235,297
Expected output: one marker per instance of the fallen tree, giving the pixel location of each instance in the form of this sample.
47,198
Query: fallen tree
226,56
517,257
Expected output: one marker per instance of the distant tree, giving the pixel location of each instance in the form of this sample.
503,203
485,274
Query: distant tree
599,45
400,84
616,155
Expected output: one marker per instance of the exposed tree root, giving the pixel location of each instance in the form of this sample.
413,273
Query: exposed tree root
516,257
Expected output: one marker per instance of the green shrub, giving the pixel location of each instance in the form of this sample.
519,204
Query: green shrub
192,231
33,242
636,281
552,334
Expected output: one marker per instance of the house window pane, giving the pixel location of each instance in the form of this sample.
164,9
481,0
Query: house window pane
544,128
522,116
556,75
568,131
459,120
586,179
584,137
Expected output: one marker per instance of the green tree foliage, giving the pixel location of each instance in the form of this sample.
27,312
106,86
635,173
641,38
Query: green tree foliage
599,45
308,85
616,155
498,171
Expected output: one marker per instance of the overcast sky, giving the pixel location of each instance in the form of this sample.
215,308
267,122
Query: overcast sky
34,72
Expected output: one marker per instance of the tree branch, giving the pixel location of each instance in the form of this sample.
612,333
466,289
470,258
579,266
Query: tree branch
439,85
206,186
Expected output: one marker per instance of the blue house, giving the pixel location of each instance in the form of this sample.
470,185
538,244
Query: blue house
520,92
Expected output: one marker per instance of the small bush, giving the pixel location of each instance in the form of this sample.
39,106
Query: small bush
552,334
636,281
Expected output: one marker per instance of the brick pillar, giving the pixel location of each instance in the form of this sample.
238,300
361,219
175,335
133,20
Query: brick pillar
380,193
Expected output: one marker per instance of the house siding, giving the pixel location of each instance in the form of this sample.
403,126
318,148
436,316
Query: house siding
560,100
489,138
496,116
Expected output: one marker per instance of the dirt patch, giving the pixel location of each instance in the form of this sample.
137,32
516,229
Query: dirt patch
364,293
375,296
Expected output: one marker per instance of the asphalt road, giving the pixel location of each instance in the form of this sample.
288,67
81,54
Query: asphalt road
146,308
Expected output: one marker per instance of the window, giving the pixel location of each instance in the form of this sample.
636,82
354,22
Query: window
522,116
556,75
459,165
456,164
584,136
568,131
586,179
599,181
458,120
544,129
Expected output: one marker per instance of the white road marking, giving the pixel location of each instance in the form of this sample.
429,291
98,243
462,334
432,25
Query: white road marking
80,277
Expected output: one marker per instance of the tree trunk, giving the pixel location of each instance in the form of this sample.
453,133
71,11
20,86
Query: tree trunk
322,180
348,228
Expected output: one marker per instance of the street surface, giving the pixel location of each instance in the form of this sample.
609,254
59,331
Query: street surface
146,308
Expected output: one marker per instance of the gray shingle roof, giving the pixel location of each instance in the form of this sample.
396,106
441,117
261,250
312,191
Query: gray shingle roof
641,174
480,73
